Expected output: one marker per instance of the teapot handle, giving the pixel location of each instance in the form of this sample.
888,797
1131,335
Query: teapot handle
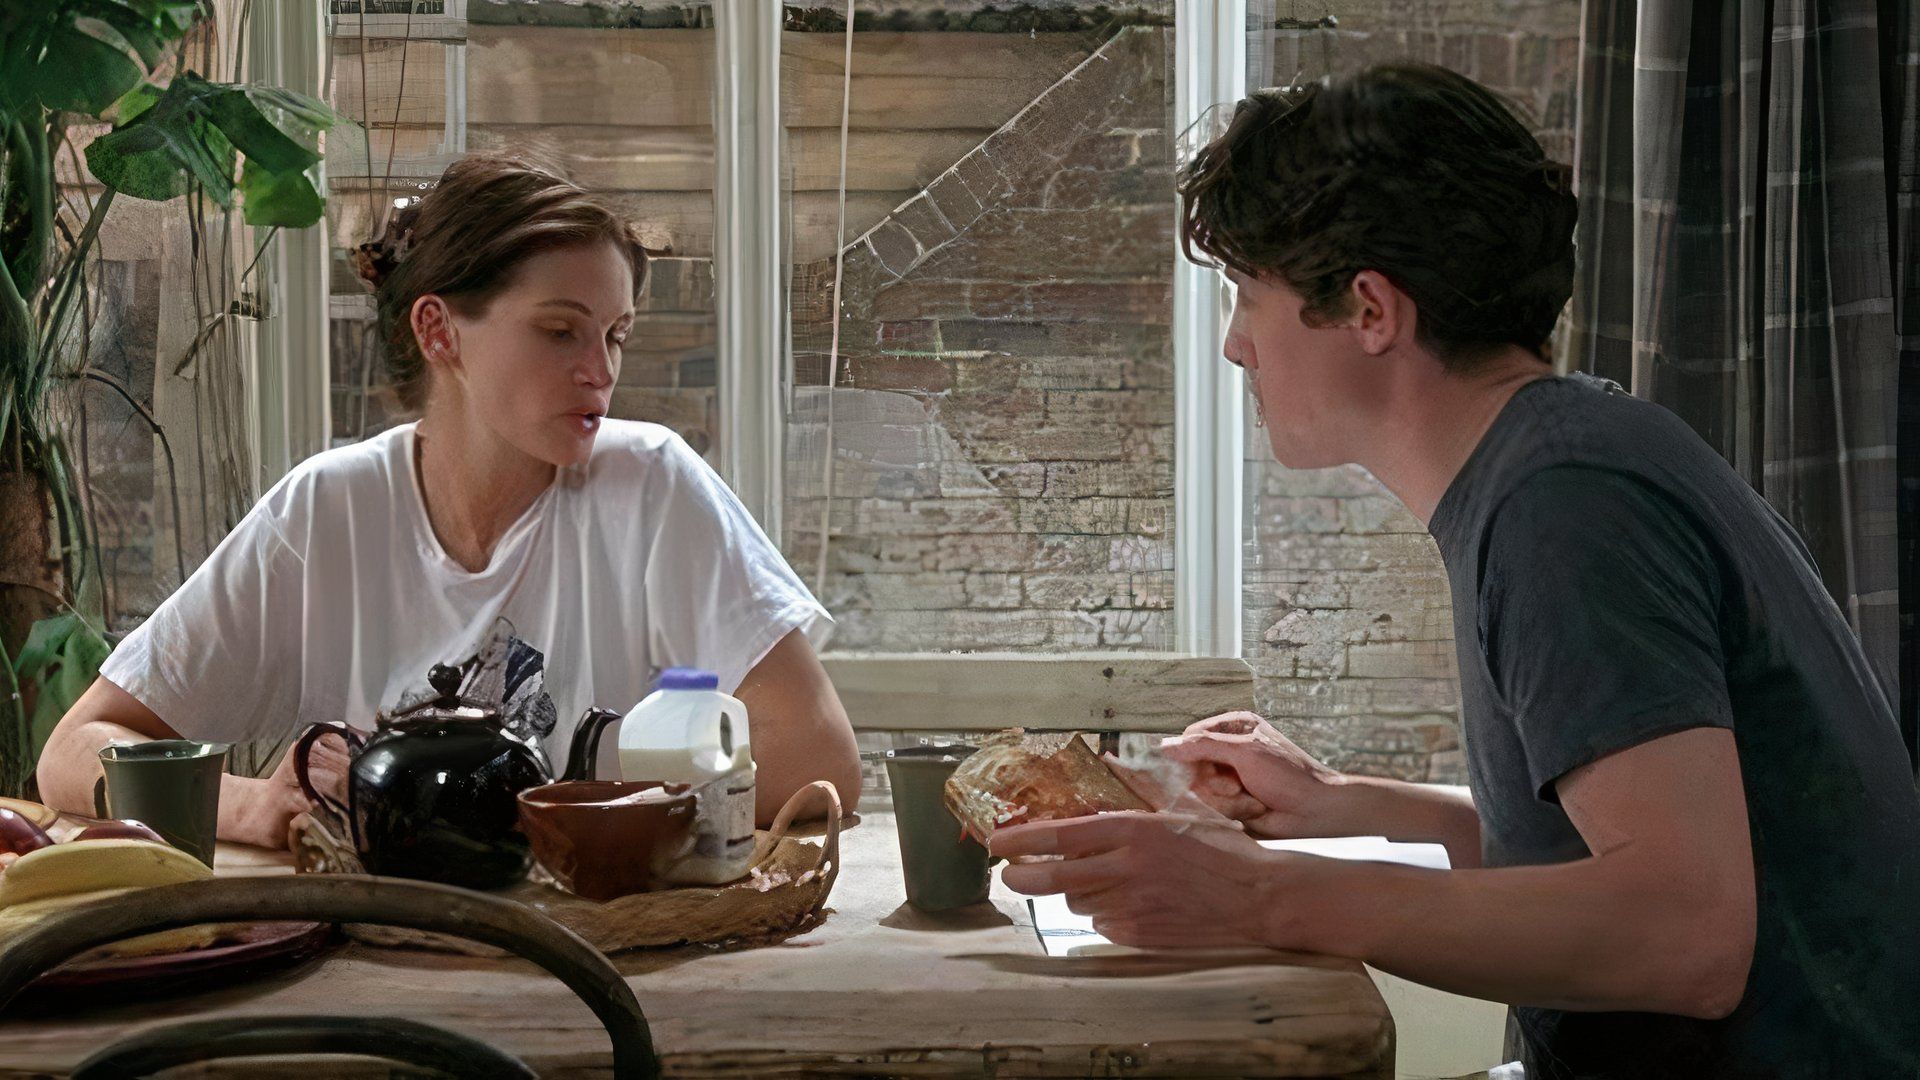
304,745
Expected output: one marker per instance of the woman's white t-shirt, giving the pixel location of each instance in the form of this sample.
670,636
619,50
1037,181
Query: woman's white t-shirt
332,598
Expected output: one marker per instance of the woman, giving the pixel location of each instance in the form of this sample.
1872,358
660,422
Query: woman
505,295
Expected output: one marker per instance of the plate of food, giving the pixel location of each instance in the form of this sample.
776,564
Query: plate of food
213,955
42,879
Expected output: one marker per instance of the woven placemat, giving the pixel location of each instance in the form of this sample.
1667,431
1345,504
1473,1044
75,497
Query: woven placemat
783,892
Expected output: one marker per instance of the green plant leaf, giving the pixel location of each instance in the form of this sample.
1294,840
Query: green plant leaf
290,199
144,31
312,112
82,73
182,13
44,641
254,132
157,153
62,657
137,100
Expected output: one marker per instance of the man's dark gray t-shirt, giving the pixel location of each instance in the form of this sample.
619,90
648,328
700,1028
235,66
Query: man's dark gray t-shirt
1614,580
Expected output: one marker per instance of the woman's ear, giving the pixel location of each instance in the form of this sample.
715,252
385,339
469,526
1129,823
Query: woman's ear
1381,312
434,331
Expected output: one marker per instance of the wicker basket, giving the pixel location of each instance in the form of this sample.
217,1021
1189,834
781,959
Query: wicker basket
785,892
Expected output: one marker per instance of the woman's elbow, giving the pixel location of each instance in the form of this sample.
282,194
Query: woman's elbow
847,781
60,774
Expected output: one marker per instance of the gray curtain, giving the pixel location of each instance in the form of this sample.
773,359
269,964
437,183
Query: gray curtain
1748,183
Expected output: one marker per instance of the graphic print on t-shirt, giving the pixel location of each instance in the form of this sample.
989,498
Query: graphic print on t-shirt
506,674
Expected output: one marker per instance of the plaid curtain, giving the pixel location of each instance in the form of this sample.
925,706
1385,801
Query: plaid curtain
1748,258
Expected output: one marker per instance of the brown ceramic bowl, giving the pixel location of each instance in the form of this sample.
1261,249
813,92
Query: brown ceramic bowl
606,838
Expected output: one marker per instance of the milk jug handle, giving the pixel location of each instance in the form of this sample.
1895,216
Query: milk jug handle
734,707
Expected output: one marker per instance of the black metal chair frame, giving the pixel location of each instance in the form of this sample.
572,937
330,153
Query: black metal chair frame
344,898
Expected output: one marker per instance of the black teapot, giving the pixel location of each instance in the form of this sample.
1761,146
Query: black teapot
433,793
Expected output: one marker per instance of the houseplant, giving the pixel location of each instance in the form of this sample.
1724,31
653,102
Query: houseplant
67,67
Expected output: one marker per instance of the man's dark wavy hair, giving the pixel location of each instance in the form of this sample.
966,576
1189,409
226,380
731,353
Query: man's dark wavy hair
1413,171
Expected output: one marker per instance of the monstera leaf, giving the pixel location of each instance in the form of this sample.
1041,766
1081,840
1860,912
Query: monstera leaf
79,55
196,130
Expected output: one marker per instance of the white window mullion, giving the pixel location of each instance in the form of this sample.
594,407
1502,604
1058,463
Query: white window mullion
293,416
748,275
1209,400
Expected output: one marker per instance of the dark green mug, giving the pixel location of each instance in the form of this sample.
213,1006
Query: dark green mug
172,786
944,870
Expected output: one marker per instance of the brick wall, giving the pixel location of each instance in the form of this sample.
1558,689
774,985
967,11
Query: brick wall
1004,404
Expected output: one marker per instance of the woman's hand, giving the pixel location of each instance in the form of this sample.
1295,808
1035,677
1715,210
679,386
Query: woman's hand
266,807
1250,772
1150,880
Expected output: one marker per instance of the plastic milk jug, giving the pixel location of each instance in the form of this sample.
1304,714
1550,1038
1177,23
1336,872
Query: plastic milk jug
688,732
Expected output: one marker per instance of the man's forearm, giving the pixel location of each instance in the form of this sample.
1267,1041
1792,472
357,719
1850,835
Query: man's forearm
1422,813
1596,934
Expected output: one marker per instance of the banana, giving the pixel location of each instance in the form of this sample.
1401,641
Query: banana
22,916
85,866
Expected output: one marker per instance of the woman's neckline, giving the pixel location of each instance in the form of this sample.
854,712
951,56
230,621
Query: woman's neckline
431,546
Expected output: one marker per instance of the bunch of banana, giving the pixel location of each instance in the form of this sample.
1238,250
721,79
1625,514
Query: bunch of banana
52,879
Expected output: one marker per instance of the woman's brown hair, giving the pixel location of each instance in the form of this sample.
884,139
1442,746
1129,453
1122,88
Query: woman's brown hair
463,240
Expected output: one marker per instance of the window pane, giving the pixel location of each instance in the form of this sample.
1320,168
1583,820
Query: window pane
624,110
1000,418
1347,618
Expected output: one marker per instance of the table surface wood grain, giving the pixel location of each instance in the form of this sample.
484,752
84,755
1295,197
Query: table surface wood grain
878,989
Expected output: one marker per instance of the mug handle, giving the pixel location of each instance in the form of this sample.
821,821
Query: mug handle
304,745
100,797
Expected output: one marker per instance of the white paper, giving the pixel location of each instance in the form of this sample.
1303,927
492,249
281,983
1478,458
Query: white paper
1062,933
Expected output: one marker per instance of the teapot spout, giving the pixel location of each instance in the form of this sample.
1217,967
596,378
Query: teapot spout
584,749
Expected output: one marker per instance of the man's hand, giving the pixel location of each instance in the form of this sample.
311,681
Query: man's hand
1247,770
1148,880
266,807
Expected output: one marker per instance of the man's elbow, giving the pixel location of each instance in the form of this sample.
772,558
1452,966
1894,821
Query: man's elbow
1720,960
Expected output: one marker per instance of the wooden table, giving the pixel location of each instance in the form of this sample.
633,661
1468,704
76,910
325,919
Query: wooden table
879,989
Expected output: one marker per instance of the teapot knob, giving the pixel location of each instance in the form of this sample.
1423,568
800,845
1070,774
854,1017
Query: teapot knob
445,680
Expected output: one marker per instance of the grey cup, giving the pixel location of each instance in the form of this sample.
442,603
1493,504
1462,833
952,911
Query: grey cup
944,870
170,785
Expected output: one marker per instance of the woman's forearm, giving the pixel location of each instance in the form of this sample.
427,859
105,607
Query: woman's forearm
1596,934
1398,810
70,767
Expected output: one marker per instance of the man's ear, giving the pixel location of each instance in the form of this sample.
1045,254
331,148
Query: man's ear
1382,314
433,329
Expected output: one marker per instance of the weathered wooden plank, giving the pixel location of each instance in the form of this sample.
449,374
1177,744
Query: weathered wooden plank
1112,692
375,85
664,78
879,988
615,158
682,220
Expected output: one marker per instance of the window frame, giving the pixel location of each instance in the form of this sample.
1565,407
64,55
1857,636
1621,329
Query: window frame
754,349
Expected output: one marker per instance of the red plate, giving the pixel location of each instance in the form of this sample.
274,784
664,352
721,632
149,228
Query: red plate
255,949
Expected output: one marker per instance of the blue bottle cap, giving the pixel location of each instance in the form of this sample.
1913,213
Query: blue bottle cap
685,678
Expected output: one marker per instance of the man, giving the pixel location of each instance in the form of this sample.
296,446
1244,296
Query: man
1692,843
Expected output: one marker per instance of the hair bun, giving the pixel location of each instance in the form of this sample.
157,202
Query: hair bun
376,260
373,263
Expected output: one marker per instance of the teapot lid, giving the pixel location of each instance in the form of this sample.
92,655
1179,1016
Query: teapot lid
448,704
